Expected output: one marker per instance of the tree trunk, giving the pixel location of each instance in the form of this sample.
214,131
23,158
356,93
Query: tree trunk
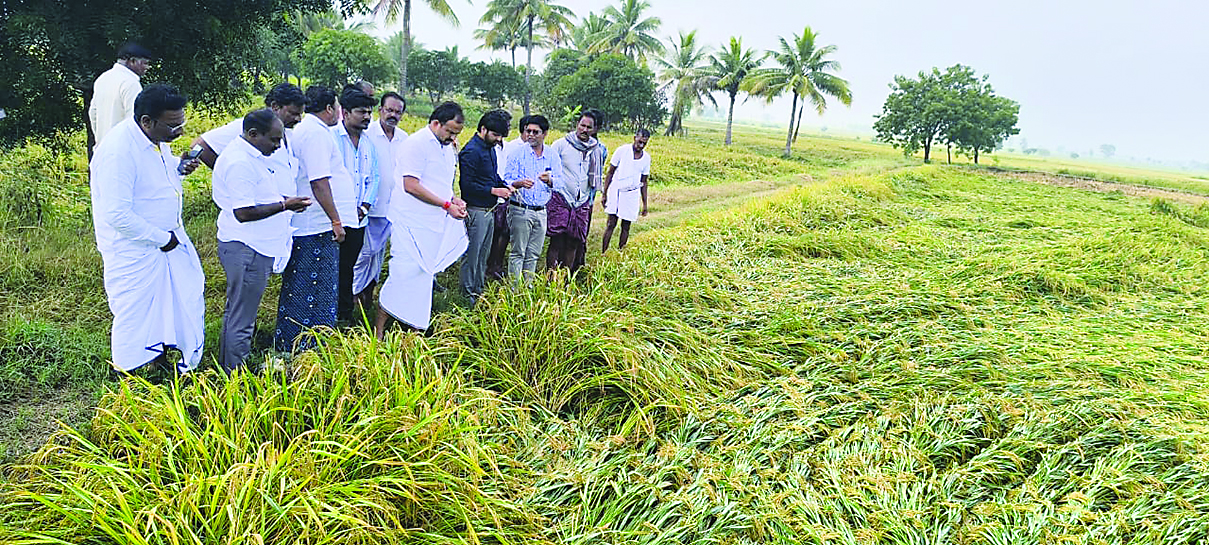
529,65
801,114
975,155
927,150
730,117
406,47
789,137
90,140
514,57
949,152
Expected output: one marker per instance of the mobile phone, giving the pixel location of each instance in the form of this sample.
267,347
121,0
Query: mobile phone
194,153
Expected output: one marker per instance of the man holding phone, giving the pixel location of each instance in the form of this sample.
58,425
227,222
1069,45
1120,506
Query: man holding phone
535,172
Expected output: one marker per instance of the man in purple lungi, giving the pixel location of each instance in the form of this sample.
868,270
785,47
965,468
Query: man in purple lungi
570,208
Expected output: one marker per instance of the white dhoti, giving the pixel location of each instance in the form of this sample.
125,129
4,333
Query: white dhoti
157,302
624,202
368,267
416,256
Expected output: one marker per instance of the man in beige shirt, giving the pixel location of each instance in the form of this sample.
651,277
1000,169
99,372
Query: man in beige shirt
114,91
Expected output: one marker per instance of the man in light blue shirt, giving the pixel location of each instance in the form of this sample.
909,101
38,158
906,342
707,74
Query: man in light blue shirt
527,207
360,159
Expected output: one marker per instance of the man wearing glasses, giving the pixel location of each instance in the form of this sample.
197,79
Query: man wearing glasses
527,207
114,91
153,278
387,139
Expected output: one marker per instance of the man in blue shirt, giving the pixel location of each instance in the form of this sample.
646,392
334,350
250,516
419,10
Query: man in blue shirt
361,161
527,207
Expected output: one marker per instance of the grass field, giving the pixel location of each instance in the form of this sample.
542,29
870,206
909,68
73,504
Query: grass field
890,353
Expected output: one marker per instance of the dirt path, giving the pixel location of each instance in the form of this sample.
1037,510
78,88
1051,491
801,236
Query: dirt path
1088,184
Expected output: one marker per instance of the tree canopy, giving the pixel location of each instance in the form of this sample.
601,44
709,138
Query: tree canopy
54,50
614,84
955,107
335,57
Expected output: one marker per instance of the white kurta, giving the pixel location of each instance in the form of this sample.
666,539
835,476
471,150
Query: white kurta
624,197
156,297
424,238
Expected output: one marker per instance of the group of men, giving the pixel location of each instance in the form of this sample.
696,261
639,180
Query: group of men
313,187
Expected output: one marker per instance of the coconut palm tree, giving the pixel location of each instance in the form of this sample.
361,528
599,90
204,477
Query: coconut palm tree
804,71
507,36
588,31
729,67
390,10
553,19
629,33
684,69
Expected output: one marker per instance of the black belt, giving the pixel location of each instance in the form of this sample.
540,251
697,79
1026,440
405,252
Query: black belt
527,206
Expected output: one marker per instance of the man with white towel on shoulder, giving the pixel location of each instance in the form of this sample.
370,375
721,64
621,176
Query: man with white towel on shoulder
153,278
426,220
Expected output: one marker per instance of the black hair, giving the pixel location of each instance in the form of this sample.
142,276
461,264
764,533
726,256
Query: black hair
539,120
520,125
445,112
131,50
285,94
318,98
156,99
643,133
496,121
394,95
261,120
597,116
352,98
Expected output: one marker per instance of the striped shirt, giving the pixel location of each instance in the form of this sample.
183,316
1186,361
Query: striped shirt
523,163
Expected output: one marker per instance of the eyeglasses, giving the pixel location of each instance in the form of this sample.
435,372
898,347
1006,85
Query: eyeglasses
392,111
171,128
533,131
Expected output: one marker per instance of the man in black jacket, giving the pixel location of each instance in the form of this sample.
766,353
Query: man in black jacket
482,189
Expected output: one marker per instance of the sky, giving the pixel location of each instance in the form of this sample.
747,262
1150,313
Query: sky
1085,72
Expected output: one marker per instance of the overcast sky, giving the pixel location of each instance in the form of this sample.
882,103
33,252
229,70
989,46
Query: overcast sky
1086,72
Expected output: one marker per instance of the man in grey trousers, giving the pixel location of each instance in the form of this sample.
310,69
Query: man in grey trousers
252,192
483,190
527,207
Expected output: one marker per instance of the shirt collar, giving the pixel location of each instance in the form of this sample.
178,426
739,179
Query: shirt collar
140,138
246,148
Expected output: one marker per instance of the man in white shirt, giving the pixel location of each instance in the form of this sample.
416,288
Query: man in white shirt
360,160
387,139
308,285
428,234
285,100
626,180
114,91
253,228
153,278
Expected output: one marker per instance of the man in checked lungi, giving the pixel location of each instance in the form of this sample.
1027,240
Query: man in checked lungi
569,210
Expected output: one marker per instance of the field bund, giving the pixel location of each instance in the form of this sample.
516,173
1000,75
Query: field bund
928,355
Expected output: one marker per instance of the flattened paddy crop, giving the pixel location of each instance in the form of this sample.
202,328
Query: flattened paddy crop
923,356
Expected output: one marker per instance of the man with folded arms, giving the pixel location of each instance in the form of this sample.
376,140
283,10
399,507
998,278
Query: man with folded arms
527,207
253,227
153,278
308,285
427,232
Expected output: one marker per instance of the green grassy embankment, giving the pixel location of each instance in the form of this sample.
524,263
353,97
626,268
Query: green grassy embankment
926,355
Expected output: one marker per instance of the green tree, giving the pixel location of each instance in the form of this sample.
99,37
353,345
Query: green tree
438,73
494,83
335,57
588,31
617,86
392,10
684,71
53,51
982,120
728,68
507,35
560,63
628,32
1108,150
806,72
552,18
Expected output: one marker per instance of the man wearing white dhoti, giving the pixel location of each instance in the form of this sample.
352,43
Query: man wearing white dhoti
427,232
387,139
153,278
624,185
